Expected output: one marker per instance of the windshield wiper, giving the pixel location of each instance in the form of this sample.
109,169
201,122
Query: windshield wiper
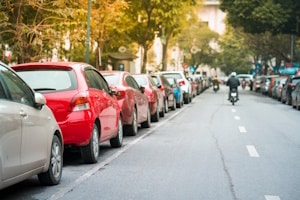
41,89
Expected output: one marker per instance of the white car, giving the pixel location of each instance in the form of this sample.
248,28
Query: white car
183,82
30,139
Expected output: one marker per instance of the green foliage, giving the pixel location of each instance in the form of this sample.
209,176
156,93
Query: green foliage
259,16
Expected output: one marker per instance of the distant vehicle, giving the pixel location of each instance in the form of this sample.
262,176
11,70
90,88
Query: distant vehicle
155,96
84,106
164,85
132,100
288,88
296,96
247,77
183,82
178,93
31,141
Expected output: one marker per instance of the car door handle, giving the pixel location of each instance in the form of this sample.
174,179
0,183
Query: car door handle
23,114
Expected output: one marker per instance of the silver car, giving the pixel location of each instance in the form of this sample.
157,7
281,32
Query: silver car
30,139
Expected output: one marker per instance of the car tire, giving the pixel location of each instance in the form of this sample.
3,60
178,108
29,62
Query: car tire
90,152
118,140
166,105
155,117
147,123
132,129
54,172
174,104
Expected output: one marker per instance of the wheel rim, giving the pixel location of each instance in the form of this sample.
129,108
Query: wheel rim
120,130
56,160
95,141
134,122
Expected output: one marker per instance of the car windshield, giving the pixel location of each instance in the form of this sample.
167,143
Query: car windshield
42,80
111,79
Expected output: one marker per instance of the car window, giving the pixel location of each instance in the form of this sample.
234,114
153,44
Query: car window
141,80
131,82
95,80
17,88
155,80
49,79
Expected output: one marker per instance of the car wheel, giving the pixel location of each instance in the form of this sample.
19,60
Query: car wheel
132,129
147,123
174,104
90,152
166,105
118,140
155,117
53,175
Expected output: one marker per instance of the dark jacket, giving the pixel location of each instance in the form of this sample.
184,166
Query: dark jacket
233,82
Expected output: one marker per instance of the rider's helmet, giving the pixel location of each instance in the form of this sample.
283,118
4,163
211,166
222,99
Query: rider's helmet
233,73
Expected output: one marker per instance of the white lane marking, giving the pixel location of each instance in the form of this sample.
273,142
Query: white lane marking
63,191
233,110
242,129
236,117
252,151
270,197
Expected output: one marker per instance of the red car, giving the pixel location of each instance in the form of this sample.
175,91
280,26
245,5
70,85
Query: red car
84,106
163,84
155,96
132,100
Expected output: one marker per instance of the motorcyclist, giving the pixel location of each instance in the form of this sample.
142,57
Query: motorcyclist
233,83
216,82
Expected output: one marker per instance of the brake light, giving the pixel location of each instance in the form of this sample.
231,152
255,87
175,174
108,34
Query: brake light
80,102
182,82
121,94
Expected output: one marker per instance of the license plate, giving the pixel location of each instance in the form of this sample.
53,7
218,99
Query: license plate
233,94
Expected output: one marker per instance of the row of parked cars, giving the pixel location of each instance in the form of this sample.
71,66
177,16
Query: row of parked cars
47,108
283,88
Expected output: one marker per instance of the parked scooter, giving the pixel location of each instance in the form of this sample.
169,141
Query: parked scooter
233,96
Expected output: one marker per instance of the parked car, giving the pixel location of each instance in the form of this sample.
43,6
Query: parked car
257,83
267,83
197,80
288,88
84,106
178,93
155,96
278,87
296,96
183,82
31,141
163,84
132,100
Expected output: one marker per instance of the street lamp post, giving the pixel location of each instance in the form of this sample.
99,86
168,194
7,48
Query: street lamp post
87,45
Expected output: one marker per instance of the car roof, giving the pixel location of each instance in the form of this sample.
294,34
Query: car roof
50,65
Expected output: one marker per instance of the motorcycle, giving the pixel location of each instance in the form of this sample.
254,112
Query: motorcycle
243,84
215,87
233,96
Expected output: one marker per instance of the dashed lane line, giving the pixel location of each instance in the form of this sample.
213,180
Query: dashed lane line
252,151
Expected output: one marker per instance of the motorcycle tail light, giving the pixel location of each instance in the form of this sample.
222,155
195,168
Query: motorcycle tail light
182,82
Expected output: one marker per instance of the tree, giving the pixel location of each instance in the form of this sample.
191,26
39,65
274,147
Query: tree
259,16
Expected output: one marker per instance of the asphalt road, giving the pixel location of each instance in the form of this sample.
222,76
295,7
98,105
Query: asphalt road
207,150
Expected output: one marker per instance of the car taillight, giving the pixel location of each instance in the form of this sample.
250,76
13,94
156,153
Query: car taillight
80,102
121,94
182,82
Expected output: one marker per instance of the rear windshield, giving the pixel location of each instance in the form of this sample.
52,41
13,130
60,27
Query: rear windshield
112,79
47,80
173,75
